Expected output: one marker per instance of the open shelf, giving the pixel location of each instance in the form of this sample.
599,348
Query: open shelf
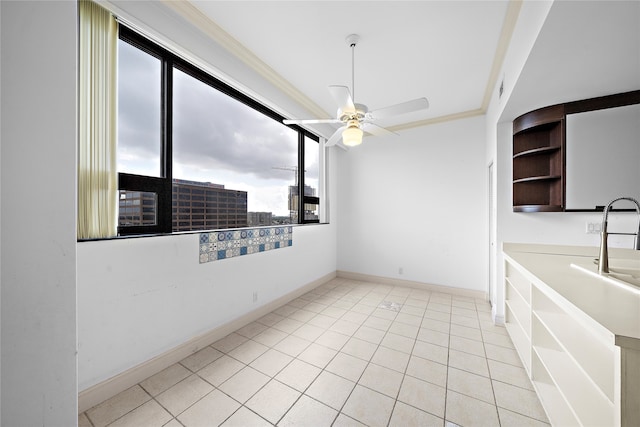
518,282
520,309
538,160
592,406
518,312
538,208
536,151
519,337
540,151
591,353
592,356
563,349
583,373
556,406
537,178
543,194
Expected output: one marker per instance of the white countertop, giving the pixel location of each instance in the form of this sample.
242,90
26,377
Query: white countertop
616,308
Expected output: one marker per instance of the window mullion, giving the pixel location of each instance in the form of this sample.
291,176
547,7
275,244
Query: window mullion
167,116
165,198
224,215
301,218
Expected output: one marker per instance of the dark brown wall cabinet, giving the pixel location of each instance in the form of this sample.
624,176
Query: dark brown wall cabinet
538,161
539,152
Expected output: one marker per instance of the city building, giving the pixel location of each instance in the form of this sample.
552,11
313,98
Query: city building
136,208
310,209
259,218
207,206
195,206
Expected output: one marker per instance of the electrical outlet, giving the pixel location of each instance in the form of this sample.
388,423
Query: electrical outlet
593,228
255,296
400,270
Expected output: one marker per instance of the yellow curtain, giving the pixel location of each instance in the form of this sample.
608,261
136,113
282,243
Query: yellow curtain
97,173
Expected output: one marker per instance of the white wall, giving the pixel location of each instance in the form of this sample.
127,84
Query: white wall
417,203
0,224
561,228
602,156
530,20
550,60
138,298
38,225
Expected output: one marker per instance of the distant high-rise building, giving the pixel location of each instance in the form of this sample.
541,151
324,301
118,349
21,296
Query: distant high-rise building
310,210
137,208
195,206
282,220
259,218
207,206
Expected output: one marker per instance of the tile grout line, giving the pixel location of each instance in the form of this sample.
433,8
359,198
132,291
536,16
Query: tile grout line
367,365
486,358
330,297
446,383
407,367
303,393
362,373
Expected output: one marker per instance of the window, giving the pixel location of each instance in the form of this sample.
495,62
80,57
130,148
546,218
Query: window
139,111
200,154
137,208
311,180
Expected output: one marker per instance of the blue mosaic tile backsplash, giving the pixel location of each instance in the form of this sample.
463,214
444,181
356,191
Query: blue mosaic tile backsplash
228,244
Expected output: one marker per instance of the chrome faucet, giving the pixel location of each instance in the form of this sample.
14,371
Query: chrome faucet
603,261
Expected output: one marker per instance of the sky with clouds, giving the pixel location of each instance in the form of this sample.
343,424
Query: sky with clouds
215,138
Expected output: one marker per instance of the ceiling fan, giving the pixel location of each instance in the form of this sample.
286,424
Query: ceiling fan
356,118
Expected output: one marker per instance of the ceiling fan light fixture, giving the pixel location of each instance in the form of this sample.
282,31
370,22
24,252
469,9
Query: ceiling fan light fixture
353,116
352,135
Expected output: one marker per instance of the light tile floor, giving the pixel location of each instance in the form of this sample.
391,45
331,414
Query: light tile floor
347,353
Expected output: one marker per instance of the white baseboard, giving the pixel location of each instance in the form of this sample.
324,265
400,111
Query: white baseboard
106,389
469,293
498,319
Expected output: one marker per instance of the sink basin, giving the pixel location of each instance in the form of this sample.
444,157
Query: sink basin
623,272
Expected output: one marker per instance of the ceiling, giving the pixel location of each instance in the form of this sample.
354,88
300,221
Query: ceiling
585,49
446,51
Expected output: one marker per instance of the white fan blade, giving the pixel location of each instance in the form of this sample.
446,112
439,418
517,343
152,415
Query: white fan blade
342,96
335,137
309,121
398,109
376,130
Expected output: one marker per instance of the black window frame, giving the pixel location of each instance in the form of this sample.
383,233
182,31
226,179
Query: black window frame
162,185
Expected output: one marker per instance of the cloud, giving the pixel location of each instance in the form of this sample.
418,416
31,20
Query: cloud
215,138
212,129
139,97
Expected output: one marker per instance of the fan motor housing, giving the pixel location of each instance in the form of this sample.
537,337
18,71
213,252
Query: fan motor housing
359,114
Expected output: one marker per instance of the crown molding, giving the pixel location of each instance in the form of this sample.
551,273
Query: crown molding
203,23
508,26
435,120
